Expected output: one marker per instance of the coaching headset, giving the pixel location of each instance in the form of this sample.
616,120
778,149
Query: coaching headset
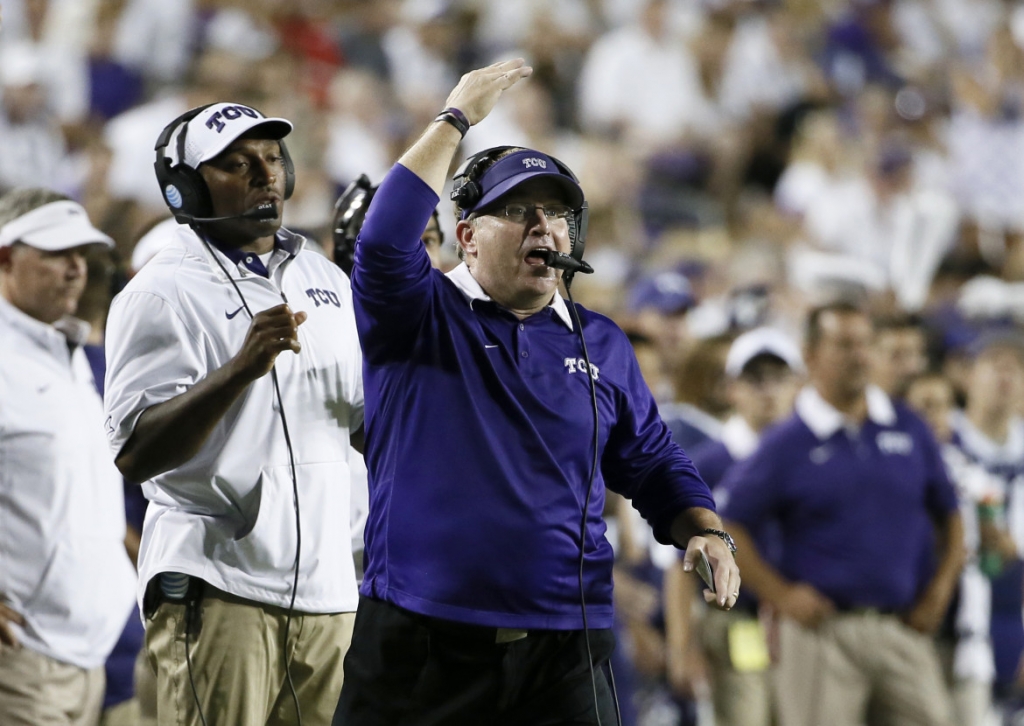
349,214
184,189
468,191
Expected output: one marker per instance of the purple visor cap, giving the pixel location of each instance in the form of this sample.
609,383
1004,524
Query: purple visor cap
508,173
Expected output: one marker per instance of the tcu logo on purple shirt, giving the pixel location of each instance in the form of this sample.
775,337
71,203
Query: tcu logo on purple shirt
531,161
229,113
578,365
323,297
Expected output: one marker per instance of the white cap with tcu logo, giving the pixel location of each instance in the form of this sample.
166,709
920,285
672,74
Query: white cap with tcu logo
216,126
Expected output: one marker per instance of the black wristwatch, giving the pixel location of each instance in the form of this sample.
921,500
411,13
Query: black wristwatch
722,535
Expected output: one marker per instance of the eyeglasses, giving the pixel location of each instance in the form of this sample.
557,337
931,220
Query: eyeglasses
521,212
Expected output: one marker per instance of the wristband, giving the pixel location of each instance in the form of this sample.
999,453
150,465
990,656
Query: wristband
456,118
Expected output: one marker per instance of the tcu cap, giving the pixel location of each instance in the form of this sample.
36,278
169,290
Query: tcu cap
216,126
509,172
53,227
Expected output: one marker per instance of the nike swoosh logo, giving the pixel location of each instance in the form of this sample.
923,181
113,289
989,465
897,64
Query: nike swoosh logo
490,346
231,315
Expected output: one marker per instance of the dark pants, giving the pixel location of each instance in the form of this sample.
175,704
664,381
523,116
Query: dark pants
405,669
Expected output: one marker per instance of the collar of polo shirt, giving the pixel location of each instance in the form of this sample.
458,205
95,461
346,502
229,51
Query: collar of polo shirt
469,287
823,419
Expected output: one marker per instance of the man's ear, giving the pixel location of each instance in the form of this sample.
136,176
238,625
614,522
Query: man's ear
465,237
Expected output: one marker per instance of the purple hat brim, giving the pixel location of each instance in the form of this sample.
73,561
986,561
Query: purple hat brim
574,192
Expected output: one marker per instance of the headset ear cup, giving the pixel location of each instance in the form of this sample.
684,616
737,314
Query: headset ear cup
193,194
289,170
466,194
581,220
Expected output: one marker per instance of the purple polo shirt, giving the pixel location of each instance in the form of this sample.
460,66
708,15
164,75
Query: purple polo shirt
854,508
479,431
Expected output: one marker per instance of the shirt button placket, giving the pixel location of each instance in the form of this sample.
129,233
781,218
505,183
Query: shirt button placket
523,344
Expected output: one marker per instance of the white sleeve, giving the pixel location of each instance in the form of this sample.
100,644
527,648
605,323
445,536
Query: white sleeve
152,356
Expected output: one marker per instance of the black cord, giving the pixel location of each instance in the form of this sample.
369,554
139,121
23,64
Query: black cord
191,680
295,495
615,693
298,544
567,279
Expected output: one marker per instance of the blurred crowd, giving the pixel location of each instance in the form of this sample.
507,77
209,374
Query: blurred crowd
744,160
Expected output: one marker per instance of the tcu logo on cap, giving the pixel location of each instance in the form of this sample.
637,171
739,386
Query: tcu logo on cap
229,113
532,161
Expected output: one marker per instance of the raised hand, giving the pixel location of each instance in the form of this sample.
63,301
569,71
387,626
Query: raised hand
479,90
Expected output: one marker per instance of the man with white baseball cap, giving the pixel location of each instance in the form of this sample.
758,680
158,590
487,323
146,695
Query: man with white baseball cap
234,384
763,371
66,581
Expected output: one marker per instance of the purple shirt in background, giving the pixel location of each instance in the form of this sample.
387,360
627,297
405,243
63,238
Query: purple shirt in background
854,511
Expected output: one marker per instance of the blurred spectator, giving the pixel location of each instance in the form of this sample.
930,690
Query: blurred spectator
860,47
877,219
642,85
986,140
763,70
114,87
764,368
990,433
853,482
155,38
659,303
421,50
899,354
701,403
58,33
965,644
32,144
358,141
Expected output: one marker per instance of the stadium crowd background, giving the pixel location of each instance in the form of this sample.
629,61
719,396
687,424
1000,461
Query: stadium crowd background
743,159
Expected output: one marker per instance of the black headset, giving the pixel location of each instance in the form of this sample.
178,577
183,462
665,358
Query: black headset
467,191
349,214
182,184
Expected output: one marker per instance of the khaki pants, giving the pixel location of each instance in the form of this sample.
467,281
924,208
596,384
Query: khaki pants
237,663
740,699
36,690
830,675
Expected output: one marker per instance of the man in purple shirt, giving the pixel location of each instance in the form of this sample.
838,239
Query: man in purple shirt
854,483
478,605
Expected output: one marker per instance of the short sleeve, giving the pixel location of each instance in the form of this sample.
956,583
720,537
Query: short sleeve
152,356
